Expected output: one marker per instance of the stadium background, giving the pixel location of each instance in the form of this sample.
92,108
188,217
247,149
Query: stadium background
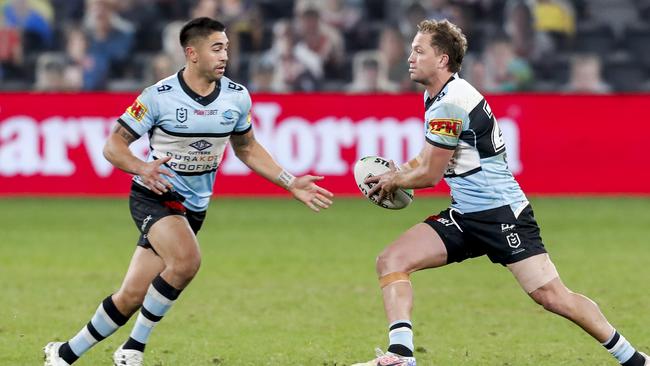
567,80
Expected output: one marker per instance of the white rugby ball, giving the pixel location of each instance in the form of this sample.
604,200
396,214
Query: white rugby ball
375,165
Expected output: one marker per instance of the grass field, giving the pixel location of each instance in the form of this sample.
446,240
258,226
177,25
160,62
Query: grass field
281,286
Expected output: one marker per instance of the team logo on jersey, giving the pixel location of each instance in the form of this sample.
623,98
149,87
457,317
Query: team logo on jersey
181,114
445,126
137,110
201,145
164,88
229,117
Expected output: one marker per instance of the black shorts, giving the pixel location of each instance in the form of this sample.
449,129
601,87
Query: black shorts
148,207
497,232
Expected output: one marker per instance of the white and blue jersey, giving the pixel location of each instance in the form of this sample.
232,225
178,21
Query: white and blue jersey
460,119
193,130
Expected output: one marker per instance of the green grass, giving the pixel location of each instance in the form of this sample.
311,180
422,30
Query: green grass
281,286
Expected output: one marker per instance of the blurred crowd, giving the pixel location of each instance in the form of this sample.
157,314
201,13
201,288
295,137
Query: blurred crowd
355,46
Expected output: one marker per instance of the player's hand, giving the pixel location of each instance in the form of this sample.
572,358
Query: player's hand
384,184
305,190
151,175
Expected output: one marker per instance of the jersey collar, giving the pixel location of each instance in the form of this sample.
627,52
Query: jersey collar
429,102
203,100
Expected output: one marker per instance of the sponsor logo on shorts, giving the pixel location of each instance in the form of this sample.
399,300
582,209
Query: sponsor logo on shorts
137,110
145,222
513,240
445,127
506,227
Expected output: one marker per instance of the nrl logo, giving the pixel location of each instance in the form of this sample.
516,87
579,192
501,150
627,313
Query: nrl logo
181,114
201,145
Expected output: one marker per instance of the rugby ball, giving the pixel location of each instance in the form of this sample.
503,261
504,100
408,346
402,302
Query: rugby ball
375,165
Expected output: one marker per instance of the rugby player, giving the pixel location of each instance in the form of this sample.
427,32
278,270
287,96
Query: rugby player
489,213
189,117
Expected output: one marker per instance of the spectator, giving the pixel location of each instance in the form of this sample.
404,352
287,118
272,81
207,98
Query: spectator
321,39
50,73
160,67
109,43
370,76
11,53
557,18
528,43
33,19
505,71
392,55
586,76
171,46
261,77
297,68
414,14
439,10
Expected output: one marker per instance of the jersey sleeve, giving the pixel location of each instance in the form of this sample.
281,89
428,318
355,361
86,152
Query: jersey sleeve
243,124
140,116
443,125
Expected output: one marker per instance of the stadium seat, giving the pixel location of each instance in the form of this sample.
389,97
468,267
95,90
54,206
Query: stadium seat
595,38
624,73
637,42
553,69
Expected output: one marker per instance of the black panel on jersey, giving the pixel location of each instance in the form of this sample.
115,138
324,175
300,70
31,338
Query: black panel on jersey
203,100
480,129
195,134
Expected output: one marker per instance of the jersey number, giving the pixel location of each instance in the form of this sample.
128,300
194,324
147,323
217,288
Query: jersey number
497,137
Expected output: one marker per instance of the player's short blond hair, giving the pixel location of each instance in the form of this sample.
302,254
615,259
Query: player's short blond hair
447,38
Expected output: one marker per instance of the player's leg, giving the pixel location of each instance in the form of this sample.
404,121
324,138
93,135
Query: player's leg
418,248
112,313
174,241
539,278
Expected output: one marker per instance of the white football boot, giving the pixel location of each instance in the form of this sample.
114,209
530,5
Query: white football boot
127,357
388,359
52,358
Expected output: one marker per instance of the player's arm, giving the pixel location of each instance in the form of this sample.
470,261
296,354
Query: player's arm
427,171
117,152
256,157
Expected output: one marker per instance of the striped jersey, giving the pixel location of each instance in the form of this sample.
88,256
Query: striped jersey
460,119
193,130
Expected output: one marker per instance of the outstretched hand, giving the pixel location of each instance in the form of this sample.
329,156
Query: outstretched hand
151,175
383,185
305,190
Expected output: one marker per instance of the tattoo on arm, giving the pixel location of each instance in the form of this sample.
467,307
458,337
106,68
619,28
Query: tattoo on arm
124,133
242,141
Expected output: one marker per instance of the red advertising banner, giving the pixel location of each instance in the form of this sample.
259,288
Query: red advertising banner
557,144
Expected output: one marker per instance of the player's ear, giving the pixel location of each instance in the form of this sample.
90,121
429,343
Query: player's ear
191,54
444,61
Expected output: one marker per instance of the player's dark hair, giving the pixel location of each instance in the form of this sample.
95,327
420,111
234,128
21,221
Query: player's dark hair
199,28
448,39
